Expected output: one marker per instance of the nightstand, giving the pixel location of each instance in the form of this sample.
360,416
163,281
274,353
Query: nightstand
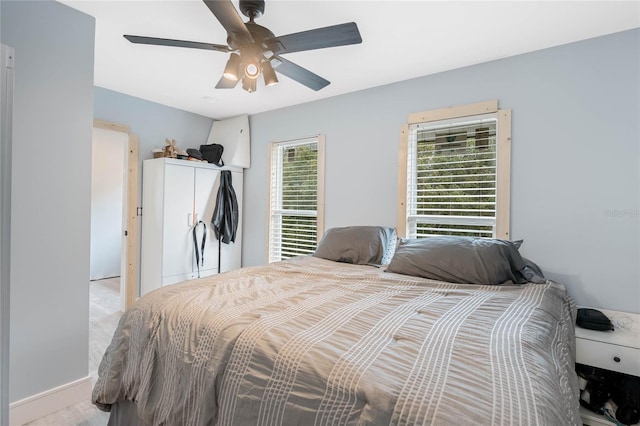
617,350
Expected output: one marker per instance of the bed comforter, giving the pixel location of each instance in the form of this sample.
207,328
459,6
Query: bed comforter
314,342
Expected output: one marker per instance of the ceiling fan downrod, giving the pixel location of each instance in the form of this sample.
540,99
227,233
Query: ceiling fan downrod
252,9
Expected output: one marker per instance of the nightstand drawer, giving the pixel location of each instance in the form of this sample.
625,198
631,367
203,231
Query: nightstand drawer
604,355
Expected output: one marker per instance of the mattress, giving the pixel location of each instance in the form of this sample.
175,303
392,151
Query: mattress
309,341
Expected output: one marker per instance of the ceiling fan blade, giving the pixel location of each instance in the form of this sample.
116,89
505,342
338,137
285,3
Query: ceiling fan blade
177,43
299,74
335,35
226,83
228,16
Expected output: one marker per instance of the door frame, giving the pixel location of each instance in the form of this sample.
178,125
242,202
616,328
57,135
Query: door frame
129,270
6,132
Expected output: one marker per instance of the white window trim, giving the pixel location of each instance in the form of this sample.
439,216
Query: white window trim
503,158
320,140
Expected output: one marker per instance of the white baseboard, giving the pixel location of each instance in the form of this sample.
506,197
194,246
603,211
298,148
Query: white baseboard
49,401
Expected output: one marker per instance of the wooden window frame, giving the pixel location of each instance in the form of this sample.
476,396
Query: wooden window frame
503,158
320,140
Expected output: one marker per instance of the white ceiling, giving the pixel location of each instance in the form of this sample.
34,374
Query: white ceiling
401,40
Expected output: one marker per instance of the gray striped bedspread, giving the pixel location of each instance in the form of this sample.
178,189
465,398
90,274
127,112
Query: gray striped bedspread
313,342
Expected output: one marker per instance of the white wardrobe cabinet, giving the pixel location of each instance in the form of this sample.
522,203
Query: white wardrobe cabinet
176,194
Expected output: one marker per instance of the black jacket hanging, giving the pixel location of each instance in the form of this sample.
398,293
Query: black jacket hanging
225,215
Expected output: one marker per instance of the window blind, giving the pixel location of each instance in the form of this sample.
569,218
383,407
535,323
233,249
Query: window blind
293,199
451,182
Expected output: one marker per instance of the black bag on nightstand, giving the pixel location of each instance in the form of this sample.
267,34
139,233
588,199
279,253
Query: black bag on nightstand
593,319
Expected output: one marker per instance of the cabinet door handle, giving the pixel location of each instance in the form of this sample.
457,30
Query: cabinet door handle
616,358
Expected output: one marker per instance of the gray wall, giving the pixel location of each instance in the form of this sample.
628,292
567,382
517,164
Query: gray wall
575,149
152,123
53,113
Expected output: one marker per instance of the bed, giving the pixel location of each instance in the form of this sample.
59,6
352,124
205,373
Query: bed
314,341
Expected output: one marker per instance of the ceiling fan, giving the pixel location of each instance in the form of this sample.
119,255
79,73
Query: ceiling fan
255,50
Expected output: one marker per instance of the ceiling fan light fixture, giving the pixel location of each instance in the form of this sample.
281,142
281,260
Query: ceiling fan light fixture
231,70
252,69
249,84
269,74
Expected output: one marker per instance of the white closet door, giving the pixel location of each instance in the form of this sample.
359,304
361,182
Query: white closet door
177,256
206,191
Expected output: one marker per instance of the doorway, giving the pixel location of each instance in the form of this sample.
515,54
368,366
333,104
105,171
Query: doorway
6,125
114,245
108,195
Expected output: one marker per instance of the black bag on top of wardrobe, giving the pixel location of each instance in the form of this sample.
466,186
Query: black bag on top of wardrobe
212,153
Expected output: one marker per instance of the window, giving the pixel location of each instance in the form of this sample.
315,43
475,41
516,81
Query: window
296,197
455,172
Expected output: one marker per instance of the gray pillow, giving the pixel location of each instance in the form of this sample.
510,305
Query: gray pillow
464,260
359,245
531,273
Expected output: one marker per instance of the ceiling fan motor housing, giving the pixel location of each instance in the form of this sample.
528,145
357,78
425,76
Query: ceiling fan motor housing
254,53
259,34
